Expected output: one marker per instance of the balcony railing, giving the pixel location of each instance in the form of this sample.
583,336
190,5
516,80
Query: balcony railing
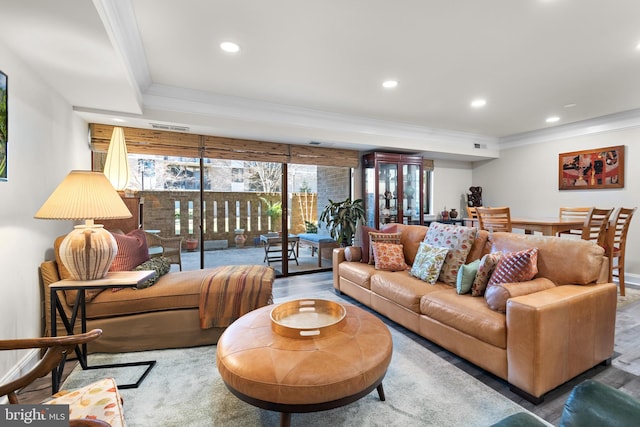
177,213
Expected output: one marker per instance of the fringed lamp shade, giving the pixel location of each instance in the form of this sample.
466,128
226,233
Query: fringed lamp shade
89,249
116,166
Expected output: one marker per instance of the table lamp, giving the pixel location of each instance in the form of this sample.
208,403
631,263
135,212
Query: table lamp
87,251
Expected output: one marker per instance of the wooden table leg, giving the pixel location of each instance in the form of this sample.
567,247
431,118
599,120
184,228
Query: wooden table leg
285,419
381,392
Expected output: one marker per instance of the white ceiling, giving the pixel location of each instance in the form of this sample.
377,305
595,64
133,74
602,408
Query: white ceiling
312,71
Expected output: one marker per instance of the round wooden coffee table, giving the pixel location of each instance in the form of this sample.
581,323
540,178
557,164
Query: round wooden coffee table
290,375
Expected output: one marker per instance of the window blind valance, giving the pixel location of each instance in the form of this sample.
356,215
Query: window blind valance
167,143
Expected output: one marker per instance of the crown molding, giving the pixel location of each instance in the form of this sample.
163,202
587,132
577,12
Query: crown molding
610,122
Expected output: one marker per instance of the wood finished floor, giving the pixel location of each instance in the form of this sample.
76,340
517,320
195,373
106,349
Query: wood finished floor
627,344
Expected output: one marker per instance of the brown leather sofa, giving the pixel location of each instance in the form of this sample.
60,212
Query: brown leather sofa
544,339
165,315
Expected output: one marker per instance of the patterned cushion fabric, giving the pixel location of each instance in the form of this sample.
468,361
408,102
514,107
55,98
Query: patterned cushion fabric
383,237
466,276
132,251
388,256
516,267
160,265
428,262
100,400
485,269
458,240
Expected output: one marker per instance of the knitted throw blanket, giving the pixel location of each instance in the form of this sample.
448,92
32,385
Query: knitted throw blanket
232,291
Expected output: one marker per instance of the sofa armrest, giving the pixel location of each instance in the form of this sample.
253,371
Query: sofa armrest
556,334
338,257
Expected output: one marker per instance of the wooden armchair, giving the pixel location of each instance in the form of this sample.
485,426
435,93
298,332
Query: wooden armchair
494,219
57,348
171,247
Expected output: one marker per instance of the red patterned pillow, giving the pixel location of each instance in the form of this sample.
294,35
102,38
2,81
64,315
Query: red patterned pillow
132,251
364,241
516,267
388,256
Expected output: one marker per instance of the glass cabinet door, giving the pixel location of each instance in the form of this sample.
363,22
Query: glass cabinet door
411,194
388,188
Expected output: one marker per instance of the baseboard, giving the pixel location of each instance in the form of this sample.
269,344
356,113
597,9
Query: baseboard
632,280
22,367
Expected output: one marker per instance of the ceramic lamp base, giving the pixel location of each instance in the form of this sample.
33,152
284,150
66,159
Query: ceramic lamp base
88,252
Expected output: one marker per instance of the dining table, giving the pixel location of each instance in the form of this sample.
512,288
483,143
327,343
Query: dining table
548,226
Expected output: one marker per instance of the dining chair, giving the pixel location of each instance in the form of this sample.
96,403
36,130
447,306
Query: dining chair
573,213
616,243
595,226
494,219
471,212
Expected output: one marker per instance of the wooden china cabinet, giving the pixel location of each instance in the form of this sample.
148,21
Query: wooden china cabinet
392,188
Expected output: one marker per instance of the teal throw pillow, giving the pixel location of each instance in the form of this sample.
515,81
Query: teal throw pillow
428,262
466,276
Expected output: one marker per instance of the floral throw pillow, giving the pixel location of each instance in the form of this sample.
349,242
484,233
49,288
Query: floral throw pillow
516,267
428,262
485,269
458,240
388,256
379,236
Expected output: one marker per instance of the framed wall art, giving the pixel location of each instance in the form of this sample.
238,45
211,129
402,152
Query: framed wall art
592,169
4,125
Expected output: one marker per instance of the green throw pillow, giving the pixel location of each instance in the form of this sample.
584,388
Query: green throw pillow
159,264
466,276
428,263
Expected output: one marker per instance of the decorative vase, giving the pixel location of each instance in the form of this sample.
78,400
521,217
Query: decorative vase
240,238
445,215
453,214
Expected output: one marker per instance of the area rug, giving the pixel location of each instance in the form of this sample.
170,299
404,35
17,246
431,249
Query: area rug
631,295
185,389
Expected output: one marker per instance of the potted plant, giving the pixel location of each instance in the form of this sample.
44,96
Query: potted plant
341,219
192,243
274,210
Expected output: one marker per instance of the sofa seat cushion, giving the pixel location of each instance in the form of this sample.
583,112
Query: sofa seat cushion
179,290
357,272
402,289
467,314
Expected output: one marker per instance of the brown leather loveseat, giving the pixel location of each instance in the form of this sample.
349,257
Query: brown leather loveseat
544,338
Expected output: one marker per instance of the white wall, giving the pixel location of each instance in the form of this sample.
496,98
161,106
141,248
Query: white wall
526,179
46,141
451,182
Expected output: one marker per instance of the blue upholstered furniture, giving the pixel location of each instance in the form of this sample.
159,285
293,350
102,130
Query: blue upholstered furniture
590,404
317,242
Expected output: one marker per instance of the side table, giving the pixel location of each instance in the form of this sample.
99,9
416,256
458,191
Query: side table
116,279
272,245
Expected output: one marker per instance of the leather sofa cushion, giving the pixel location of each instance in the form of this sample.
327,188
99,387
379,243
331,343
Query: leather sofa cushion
403,289
179,290
410,239
480,247
357,272
467,314
563,261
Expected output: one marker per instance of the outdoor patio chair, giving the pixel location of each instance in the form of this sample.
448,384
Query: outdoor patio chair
168,247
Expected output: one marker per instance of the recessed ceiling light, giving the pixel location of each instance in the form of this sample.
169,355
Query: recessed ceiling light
478,103
389,84
552,119
638,46
116,119
569,105
230,47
